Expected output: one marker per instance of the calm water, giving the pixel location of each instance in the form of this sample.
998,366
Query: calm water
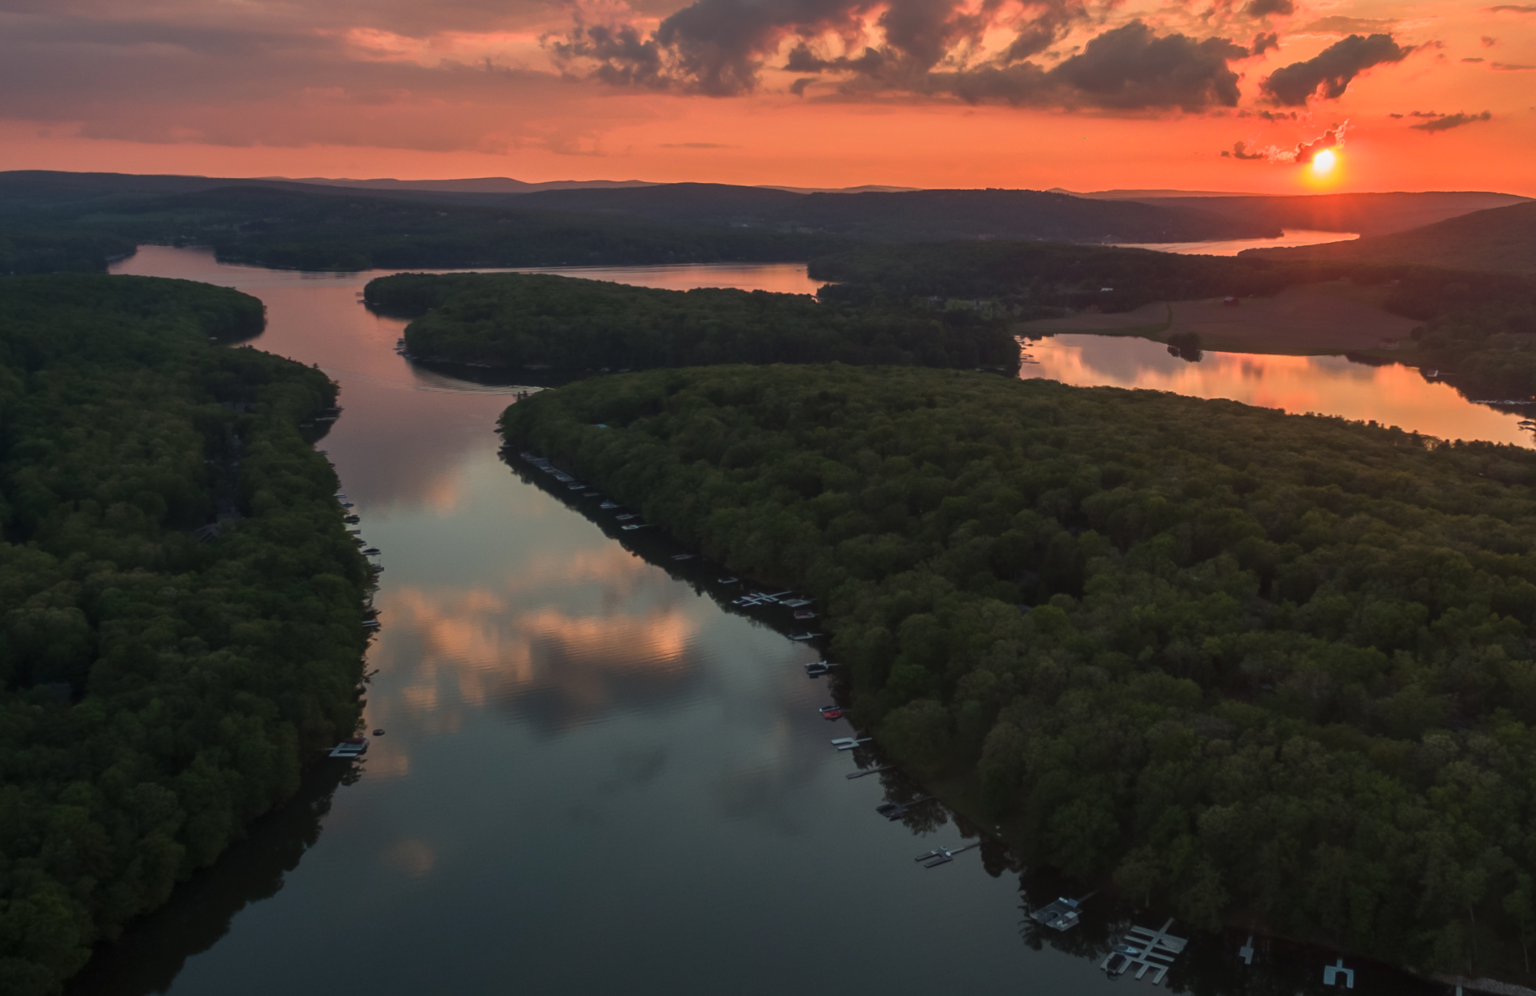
1330,385
1231,247
594,779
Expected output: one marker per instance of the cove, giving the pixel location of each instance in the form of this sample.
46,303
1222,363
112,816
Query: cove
594,778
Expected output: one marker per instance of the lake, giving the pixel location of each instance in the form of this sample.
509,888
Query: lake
595,777
1231,247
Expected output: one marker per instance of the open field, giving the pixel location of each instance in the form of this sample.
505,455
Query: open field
1332,317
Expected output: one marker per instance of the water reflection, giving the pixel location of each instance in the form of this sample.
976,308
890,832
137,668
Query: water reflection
1391,394
1231,247
781,278
152,952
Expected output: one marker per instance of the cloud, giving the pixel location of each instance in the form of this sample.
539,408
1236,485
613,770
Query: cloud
922,48
1338,24
1329,73
1513,8
1445,122
1489,42
1307,151
695,145
1510,67
1263,8
1302,154
1263,43
1130,67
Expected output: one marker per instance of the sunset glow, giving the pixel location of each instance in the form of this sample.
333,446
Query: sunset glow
835,93
1323,162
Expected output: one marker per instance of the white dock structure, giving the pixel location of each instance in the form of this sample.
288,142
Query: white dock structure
1336,973
1145,950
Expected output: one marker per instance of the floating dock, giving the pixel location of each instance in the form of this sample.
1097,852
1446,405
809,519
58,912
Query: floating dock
1145,950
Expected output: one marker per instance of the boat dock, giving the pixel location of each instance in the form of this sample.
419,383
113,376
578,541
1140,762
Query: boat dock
1061,915
1145,950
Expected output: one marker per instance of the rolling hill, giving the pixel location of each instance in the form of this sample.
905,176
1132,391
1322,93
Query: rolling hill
908,216
1499,240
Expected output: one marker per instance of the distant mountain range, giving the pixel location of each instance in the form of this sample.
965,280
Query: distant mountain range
45,199
506,185
889,216
1501,239
906,216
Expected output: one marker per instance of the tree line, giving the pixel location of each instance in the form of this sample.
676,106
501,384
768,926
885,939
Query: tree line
347,230
179,600
1238,665
538,320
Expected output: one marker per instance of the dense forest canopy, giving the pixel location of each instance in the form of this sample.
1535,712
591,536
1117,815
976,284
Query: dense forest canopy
517,320
1242,664
179,600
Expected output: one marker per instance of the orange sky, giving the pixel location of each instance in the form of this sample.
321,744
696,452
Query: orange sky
956,93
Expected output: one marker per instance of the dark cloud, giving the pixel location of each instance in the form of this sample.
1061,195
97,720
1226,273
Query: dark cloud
1264,8
1130,67
798,86
1049,27
1329,73
1489,42
1473,59
1514,8
1239,151
1263,43
623,57
1510,67
719,47
1445,122
1126,68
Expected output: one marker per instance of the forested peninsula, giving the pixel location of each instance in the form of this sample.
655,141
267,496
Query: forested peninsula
1242,666
536,320
179,600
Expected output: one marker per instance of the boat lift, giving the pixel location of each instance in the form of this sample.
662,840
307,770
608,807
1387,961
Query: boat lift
942,855
352,747
1146,951
870,771
1061,915
851,743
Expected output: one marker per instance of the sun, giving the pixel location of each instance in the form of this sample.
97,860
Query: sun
1324,162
